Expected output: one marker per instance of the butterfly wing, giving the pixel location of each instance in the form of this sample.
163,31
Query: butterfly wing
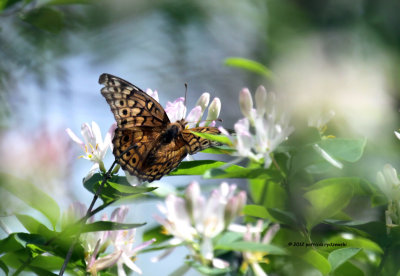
131,147
142,152
132,107
195,143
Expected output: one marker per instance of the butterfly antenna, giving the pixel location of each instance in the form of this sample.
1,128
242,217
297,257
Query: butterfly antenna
186,88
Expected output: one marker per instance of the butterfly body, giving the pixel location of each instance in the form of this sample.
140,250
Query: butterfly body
146,143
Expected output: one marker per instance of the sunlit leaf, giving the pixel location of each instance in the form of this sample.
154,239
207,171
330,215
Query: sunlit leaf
340,256
249,65
235,171
32,196
156,233
213,137
348,269
327,198
349,150
256,211
317,260
197,167
34,226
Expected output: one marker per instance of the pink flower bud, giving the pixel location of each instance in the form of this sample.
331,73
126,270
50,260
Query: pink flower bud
246,102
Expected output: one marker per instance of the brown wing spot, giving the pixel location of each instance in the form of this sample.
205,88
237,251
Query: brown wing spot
126,138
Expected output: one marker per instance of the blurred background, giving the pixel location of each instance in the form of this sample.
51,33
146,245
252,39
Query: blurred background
325,55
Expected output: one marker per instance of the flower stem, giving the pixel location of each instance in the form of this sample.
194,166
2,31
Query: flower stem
85,218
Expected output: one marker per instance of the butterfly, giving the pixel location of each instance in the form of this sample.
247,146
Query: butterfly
146,143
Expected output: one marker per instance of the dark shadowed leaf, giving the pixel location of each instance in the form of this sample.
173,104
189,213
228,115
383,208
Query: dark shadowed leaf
45,18
109,225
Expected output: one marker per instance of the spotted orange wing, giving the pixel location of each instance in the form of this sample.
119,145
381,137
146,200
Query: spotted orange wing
132,107
195,143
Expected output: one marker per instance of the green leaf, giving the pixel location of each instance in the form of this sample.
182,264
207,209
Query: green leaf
281,216
348,269
349,150
48,262
45,18
249,65
235,171
34,226
10,244
4,267
340,256
256,211
317,260
327,198
4,4
205,270
32,196
251,246
219,150
68,2
214,137
116,188
109,225
155,233
41,271
197,167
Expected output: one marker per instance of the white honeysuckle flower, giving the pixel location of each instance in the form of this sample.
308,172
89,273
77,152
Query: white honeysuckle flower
213,112
96,243
153,94
389,183
195,219
177,110
253,234
319,120
397,134
93,145
260,132
203,101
